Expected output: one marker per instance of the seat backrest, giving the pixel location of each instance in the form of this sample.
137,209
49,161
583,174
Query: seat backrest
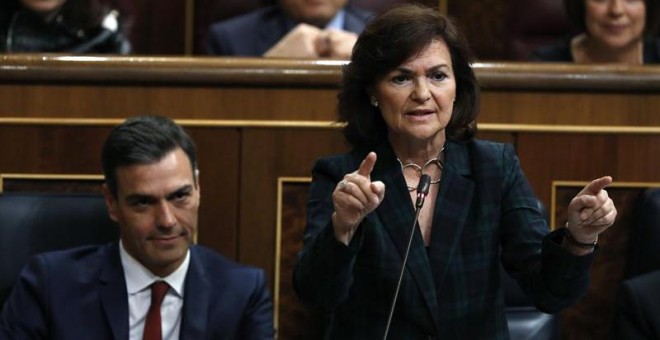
644,242
32,223
531,24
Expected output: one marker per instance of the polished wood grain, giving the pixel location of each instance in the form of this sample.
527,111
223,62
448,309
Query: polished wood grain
294,320
256,121
244,88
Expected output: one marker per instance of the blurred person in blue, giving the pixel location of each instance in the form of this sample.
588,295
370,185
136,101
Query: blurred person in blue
290,29
61,26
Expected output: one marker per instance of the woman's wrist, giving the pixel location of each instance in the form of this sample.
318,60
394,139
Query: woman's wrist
343,234
578,243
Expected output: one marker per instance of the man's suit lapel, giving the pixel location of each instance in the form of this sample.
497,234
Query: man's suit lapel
397,215
451,209
113,295
197,294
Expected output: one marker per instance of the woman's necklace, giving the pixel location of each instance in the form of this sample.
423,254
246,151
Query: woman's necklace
421,169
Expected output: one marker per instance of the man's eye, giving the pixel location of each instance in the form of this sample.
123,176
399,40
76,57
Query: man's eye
140,202
179,196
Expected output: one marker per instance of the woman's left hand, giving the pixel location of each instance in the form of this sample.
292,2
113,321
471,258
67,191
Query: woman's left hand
591,212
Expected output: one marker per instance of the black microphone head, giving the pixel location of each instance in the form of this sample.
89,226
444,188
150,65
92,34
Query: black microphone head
424,184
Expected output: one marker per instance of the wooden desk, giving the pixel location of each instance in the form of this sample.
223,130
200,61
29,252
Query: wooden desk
256,121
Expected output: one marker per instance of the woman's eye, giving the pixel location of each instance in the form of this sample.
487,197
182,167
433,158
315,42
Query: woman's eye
400,79
438,76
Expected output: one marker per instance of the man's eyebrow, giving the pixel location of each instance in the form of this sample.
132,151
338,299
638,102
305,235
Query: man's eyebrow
186,189
132,198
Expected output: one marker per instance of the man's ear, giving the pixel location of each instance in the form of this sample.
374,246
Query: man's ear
197,186
110,202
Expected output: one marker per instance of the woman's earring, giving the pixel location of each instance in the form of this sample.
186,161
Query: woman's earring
374,102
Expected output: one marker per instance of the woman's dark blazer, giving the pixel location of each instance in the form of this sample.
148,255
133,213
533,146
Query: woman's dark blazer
485,212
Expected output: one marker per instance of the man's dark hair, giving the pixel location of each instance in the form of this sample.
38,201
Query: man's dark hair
143,140
387,42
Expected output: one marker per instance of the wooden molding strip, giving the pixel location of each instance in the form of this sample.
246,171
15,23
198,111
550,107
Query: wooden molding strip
298,124
319,73
48,177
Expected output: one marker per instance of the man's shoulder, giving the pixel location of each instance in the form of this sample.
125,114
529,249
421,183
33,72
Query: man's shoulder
247,21
217,263
81,264
87,253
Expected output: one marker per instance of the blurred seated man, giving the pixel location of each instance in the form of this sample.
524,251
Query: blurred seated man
152,283
64,26
292,29
638,308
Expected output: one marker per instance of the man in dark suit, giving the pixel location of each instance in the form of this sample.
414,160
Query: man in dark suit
292,29
107,292
637,308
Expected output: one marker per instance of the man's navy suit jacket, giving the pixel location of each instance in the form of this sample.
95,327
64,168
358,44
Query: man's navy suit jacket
81,294
638,308
254,33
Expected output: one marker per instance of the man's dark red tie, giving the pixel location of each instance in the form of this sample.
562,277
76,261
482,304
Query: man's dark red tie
152,329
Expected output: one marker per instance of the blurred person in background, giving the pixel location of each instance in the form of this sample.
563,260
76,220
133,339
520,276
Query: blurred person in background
290,29
611,31
61,26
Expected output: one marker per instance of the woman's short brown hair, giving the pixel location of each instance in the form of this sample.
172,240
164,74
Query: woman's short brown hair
389,40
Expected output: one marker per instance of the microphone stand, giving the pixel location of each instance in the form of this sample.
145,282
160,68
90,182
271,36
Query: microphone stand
422,191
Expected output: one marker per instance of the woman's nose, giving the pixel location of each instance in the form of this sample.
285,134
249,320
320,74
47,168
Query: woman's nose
421,92
616,6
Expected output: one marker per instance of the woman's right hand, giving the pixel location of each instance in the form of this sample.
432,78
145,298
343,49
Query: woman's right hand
354,197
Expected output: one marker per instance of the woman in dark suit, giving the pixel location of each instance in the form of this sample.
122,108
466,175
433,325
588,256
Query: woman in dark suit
410,101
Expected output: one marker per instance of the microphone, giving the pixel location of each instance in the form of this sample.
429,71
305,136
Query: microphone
422,192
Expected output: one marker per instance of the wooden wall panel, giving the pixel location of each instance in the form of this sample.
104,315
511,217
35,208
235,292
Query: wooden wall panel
569,108
51,150
548,157
482,22
218,153
155,27
178,102
266,155
48,149
255,121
